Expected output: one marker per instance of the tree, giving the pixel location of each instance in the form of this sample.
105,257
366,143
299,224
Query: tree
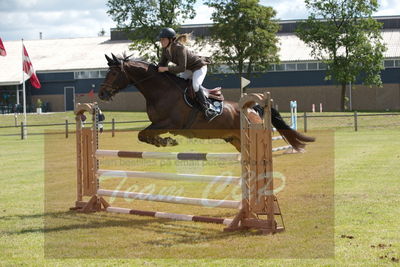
102,32
142,20
245,34
343,34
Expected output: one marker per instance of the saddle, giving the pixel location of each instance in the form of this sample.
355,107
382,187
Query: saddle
214,97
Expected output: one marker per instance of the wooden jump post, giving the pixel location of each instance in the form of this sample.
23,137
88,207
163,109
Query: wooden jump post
256,210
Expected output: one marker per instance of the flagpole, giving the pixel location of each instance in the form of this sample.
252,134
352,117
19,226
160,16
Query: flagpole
17,94
23,90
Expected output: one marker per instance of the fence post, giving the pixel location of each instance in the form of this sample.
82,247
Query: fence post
66,128
22,130
113,127
355,121
305,121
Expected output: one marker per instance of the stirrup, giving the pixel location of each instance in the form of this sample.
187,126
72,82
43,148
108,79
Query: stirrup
210,114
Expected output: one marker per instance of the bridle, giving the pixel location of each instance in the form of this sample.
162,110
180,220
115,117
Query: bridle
112,85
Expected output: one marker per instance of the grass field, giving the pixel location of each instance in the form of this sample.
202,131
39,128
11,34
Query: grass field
358,170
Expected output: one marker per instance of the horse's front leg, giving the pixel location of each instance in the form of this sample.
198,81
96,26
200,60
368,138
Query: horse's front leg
234,139
151,135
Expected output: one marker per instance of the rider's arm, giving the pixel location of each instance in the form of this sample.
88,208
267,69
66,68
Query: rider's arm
164,60
181,55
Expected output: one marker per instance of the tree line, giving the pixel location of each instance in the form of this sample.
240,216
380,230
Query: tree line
341,33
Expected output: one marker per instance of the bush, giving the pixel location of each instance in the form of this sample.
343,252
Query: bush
39,103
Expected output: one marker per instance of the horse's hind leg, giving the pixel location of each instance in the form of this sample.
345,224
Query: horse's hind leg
151,135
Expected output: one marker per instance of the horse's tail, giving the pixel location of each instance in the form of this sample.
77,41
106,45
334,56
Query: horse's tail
293,137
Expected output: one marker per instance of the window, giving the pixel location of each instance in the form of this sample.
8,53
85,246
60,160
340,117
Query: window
397,63
271,67
280,67
389,63
90,74
82,75
301,66
94,74
322,66
312,66
103,73
291,67
263,68
220,69
224,69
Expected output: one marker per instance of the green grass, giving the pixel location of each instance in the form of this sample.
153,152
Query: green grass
313,123
37,177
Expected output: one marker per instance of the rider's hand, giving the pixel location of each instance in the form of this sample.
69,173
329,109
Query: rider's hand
162,69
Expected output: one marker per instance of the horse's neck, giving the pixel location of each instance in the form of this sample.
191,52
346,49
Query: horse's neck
156,86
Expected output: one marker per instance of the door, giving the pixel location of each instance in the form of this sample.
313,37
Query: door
69,98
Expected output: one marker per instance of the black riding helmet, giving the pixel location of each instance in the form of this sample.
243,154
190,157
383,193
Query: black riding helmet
167,33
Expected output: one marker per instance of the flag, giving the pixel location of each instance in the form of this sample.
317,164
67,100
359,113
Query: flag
2,49
28,68
91,93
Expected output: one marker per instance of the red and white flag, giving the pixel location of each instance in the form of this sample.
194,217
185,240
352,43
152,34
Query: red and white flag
91,93
2,49
28,68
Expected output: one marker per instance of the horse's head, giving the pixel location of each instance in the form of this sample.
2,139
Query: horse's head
116,78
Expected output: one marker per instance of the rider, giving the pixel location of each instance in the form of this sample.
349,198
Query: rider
187,65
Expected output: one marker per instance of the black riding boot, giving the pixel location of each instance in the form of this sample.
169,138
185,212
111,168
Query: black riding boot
205,106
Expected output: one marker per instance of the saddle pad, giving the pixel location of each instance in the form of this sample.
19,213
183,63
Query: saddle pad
218,105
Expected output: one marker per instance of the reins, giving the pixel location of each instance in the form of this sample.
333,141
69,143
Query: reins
135,82
130,78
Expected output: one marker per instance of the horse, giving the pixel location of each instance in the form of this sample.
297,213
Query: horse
169,113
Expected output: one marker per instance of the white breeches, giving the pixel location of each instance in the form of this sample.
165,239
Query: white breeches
197,76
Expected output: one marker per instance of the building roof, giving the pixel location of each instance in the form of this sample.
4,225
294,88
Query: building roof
293,49
58,55
391,39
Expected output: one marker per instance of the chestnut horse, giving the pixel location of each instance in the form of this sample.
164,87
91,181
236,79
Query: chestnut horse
169,113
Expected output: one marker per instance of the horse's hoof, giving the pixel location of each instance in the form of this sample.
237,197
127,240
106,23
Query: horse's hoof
157,144
168,141
164,143
171,142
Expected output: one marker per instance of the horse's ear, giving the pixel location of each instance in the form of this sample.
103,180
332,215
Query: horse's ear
116,60
127,57
109,60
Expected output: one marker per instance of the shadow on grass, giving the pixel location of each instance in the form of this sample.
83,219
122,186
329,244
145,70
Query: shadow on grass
56,222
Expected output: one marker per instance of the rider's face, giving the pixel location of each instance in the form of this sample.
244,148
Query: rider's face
164,42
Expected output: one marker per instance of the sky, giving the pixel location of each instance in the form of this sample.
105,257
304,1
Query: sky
86,18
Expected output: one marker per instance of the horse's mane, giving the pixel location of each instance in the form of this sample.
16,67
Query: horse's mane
175,78
151,67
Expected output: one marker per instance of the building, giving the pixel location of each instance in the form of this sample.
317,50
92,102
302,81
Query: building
69,69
